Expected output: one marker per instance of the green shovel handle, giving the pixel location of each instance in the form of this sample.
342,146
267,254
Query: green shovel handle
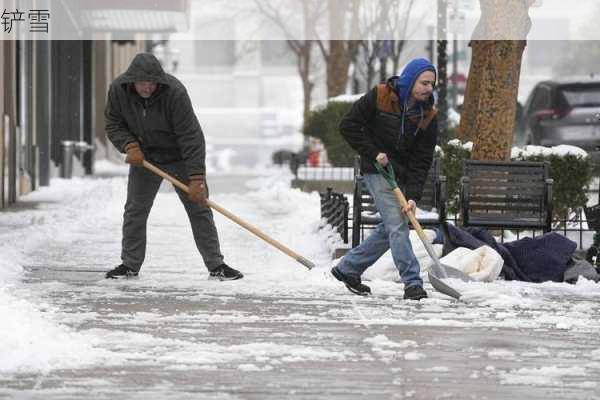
388,174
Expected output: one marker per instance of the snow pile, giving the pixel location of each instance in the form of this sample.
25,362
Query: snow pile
10,270
530,150
33,342
561,151
31,339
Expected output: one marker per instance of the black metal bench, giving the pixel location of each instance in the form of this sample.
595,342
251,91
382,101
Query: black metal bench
334,208
502,194
364,212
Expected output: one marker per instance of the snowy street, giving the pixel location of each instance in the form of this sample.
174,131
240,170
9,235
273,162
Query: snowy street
281,332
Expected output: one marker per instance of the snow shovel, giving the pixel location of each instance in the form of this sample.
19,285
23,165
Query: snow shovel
438,271
308,264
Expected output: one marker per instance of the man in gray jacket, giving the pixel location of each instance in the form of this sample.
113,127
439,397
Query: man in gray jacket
149,116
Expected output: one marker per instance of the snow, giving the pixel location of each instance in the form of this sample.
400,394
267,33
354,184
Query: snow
325,173
39,336
539,376
30,339
530,150
343,98
561,151
32,342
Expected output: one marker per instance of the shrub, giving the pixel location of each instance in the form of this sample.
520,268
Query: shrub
452,156
324,124
572,175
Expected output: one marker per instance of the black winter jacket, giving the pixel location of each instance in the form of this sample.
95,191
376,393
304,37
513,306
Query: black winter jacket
373,126
164,124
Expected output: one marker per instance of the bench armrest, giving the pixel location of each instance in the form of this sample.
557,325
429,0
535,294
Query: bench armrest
465,189
549,204
442,197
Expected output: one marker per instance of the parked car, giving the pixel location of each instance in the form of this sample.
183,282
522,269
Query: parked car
562,112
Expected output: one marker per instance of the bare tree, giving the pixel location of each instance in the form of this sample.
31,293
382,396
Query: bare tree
338,53
384,18
491,94
389,18
279,13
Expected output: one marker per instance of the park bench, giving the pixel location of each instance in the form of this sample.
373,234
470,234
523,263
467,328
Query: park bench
433,200
506,194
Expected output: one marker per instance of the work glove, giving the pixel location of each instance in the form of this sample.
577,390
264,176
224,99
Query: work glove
134,154
197,189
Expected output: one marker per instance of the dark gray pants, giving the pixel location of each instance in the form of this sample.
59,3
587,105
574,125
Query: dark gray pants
142,187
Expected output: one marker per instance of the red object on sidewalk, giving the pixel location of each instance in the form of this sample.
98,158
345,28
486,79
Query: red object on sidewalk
313,158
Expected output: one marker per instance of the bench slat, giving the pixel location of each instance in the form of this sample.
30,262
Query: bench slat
506,194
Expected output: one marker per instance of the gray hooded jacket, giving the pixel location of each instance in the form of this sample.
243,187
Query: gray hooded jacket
164,125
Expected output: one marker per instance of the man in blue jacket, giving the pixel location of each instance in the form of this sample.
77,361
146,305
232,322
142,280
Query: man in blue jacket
393,123
149,115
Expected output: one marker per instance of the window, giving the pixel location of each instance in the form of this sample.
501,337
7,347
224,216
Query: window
541,99
582,95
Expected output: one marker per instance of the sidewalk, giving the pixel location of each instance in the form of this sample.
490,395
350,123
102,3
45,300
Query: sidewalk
281,332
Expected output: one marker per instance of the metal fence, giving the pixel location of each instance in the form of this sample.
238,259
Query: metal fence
579,227
335,210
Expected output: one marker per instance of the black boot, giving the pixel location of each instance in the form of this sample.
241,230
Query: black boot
122,271
225,273
353,284
415,293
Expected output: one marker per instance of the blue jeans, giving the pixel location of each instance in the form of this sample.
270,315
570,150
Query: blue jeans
391,233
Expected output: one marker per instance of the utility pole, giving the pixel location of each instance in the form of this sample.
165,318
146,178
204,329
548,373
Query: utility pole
442,66
455,72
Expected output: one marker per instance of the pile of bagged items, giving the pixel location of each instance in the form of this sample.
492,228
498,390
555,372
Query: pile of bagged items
548,257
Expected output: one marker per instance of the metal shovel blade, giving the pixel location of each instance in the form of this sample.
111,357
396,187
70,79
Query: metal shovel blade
439,271
442,287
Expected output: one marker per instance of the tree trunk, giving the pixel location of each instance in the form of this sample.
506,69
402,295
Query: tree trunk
383,74
341,52
495,120
491,98
304,63
337,68
480,53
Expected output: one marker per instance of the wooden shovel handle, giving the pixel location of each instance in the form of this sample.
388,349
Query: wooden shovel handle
308,264
411,215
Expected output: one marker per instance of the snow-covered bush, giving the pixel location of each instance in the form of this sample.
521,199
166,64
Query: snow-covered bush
323,123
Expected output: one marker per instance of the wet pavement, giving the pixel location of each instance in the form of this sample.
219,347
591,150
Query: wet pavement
173,334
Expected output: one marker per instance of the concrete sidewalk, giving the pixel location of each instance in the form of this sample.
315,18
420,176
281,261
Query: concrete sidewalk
218,346
175,335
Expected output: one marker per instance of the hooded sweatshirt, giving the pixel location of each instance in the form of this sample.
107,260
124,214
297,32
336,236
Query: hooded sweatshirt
164,125
382,122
